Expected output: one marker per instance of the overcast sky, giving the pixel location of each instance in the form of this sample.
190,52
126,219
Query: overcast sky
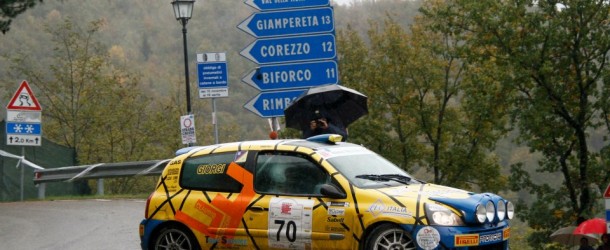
342,2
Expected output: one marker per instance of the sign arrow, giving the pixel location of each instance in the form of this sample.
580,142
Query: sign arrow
292,22
272,104
293,76
291,4
291,49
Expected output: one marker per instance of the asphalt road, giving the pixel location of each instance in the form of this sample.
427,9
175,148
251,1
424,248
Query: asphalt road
71,224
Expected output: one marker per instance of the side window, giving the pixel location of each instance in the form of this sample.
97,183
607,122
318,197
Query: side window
209,173
288,173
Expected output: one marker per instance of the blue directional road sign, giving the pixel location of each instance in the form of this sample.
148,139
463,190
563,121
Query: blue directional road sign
272,104
265,5
291,49
291,22
293,76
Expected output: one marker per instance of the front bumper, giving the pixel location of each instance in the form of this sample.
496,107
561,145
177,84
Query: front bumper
480,237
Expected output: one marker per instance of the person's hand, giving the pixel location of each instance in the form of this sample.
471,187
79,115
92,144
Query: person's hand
322,123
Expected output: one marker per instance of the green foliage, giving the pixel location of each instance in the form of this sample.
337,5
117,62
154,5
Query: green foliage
556,56
94,104
9,9
425,111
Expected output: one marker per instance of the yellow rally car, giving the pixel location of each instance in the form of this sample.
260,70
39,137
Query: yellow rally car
317,193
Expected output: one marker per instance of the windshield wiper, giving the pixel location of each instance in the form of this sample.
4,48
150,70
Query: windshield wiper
386,177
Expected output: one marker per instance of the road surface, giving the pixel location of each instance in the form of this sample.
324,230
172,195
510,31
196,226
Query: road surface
71,224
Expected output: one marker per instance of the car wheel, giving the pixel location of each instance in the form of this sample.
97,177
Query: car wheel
175,238
389,237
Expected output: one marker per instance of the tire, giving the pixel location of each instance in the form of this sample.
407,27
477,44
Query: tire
389,237
175,238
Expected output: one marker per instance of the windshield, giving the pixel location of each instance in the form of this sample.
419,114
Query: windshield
366,169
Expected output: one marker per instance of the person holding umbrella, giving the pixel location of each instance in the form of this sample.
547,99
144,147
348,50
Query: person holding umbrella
322,125
584,244
326,109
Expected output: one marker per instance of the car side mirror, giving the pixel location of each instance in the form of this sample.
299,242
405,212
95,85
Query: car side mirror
332,192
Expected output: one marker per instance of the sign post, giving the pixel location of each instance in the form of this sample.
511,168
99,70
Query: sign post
23,122
607,200
213,80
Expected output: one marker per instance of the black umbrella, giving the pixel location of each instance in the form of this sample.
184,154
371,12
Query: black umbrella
339,104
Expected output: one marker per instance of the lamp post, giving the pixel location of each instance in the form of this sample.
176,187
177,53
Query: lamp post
183,9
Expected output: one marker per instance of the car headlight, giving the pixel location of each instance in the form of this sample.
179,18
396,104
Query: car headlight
491,211
510,210
442,216
481,213
501,210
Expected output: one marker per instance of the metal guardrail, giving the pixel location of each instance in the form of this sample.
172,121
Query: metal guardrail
97,171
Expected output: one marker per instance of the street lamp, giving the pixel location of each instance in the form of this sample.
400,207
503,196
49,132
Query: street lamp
183,9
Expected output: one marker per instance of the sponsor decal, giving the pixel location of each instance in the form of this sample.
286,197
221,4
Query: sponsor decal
489,238
378,207
335,219
337,204
173,171
428,237
335,229
286,208
336,211
224,240
211,169
464,240
215,216
241,156
445,192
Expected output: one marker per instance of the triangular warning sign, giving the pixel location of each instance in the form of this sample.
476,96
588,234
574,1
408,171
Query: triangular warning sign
607,193
24,99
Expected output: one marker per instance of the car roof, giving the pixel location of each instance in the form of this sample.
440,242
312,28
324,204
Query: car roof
264,144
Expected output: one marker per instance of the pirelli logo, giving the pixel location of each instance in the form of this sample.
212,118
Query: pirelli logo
464,240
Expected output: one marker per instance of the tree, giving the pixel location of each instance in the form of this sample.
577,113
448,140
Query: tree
557,58
428,112
92,103
10,9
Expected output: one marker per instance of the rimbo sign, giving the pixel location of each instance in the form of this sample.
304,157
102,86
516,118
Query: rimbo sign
272,103
292,76
291,22
291,49
265,5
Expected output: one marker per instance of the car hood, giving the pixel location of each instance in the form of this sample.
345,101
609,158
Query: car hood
461,200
